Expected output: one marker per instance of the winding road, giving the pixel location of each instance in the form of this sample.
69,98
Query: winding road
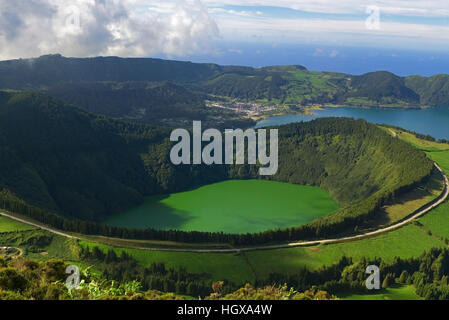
16,248
444,195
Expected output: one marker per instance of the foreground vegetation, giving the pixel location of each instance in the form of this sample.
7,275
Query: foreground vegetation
111,275
24,279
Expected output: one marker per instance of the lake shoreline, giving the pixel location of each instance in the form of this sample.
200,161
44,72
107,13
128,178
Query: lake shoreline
426,120
308,110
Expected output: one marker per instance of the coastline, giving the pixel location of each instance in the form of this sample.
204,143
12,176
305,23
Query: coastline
308,110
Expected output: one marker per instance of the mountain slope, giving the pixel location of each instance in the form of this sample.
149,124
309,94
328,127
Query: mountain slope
57,157
382,88
143,101
52,69
433,91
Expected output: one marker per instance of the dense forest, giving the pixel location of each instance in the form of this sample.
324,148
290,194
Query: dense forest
146,101
433,91
70,169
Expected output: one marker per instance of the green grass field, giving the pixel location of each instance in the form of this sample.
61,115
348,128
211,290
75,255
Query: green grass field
437,221
217,266
387,246
8,225
240,268
420,143
442,158
415,199
235,206
394,293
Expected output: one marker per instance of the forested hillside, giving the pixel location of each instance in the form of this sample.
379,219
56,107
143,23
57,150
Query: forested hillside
53,69
433,91
59,158
64,160
148,102
382,88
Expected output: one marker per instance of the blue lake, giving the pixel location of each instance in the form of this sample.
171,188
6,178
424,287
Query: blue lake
433,121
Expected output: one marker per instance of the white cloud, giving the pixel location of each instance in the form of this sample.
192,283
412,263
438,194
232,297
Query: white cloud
241,13
334,32
404,7
182,27
236,51
103,27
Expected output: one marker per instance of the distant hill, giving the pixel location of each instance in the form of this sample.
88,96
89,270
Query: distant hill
53,69
144,101
64,160
166,92
433,91
382,87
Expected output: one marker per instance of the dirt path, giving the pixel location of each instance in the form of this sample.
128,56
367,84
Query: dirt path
394,134
423,211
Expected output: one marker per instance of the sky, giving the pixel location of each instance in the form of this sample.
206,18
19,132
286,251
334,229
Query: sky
354,36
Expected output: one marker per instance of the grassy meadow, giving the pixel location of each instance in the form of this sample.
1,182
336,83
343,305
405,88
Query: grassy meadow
231,266
394,293
8,225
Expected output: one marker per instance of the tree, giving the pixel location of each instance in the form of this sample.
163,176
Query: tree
404,277
387,281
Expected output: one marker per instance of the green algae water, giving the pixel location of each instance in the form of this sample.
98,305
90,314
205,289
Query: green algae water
234,206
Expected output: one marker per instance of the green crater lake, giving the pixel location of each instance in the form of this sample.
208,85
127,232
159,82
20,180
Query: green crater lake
234,206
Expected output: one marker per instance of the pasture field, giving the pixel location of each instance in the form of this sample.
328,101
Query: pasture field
218,266
442,158
394,293
8,225
240,268
409,241
422,144
413,200
438,221
235,206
